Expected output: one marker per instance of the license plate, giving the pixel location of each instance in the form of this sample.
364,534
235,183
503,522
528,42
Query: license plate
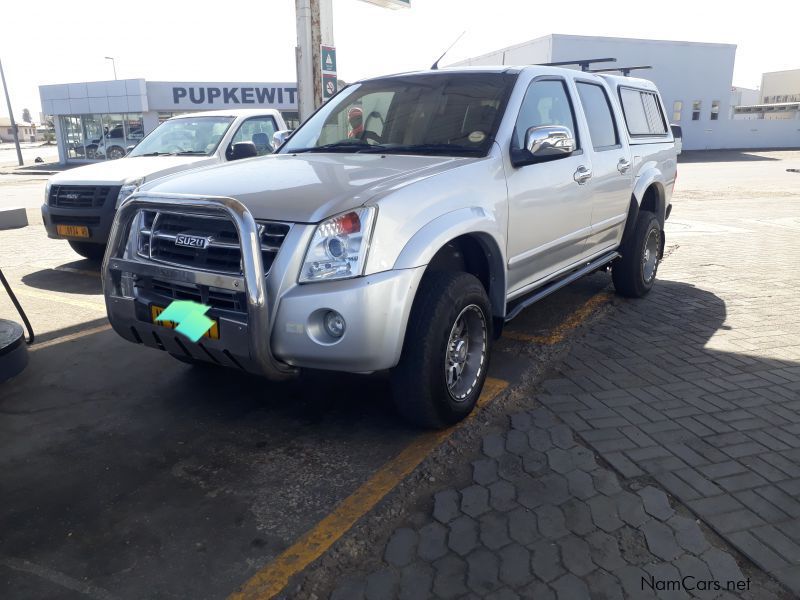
212,333
78,231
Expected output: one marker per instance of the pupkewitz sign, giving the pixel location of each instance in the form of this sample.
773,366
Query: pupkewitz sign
163,95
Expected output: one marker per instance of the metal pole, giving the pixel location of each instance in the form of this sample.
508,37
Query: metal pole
304,10
314,28
113,66
11,115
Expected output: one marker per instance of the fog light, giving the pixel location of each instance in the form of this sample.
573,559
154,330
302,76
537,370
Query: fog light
334,324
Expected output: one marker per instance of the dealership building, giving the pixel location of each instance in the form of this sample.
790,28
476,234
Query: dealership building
695,80
128,109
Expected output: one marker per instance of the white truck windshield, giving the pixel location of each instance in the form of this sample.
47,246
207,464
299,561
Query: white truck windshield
188,135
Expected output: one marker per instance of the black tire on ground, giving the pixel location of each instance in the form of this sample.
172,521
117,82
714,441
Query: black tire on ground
434,340
89,250
115,152
635,272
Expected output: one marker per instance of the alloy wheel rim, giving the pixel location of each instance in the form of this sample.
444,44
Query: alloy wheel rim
465,353
650,256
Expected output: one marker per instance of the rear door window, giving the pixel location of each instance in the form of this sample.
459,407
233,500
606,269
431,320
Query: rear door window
597,108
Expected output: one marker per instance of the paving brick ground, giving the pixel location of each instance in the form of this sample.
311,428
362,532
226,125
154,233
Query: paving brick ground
670,417
542,519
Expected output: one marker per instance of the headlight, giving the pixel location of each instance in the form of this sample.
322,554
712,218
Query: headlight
47,187
339,247
127,189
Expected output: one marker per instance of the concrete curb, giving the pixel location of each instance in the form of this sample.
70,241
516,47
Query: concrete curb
13,218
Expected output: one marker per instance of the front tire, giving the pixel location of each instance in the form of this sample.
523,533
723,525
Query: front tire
635,272
446,350
115,152
89,250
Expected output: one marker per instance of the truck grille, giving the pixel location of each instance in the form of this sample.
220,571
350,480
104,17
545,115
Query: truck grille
222,253
81,196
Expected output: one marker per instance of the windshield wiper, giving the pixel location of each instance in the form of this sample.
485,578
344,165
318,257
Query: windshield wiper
350,146
185,152
154,154
423,149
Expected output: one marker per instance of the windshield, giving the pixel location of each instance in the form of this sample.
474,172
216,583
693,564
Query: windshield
454,114
189,135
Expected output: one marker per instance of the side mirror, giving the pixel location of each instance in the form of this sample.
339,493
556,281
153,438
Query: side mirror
243,150
279,137
677,133
549,141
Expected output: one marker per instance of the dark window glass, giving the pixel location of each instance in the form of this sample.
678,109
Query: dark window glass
654,119
433,113
546,103
602,128
642,112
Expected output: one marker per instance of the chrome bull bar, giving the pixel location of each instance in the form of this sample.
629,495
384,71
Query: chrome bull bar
252,283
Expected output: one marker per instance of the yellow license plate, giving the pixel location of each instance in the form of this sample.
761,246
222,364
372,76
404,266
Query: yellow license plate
212,333
78,231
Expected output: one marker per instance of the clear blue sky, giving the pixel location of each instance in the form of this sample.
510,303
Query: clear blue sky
57,41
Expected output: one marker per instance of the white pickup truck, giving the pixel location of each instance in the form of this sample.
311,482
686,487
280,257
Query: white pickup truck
80,203
401,226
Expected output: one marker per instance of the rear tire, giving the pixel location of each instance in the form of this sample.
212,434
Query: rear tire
635,272
89,250
446,350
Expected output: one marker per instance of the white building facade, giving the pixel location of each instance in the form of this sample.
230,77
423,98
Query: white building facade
695,80
129,109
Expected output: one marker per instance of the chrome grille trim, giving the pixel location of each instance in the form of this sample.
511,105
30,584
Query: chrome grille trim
159,230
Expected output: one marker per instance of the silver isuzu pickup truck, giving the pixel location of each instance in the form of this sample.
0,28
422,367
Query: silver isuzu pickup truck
401,226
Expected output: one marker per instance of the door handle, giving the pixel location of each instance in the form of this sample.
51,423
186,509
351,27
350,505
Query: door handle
623,165
582,175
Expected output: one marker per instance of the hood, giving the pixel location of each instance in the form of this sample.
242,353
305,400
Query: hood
306,188
115,172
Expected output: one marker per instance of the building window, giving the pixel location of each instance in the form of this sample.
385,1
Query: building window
715,110
101,136
677,107
696,106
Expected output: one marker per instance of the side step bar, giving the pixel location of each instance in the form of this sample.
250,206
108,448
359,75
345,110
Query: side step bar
554,286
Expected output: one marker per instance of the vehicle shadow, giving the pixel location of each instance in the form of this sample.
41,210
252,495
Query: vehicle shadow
72,278
710,156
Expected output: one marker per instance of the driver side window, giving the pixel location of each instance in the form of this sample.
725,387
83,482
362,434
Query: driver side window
258,130
546,103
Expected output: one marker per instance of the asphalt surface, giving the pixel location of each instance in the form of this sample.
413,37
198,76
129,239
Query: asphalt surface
127,474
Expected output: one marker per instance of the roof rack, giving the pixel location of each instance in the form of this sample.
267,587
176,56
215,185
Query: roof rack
624,70
584,63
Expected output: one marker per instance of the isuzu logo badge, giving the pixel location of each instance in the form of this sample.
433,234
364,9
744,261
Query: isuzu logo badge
71,196
192,241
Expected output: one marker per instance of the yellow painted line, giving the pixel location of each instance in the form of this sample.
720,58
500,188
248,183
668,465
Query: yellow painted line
68,338
271,579
560,332
26,291
86,272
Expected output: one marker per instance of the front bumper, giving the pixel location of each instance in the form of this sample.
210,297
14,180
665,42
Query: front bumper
97,219
281,329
